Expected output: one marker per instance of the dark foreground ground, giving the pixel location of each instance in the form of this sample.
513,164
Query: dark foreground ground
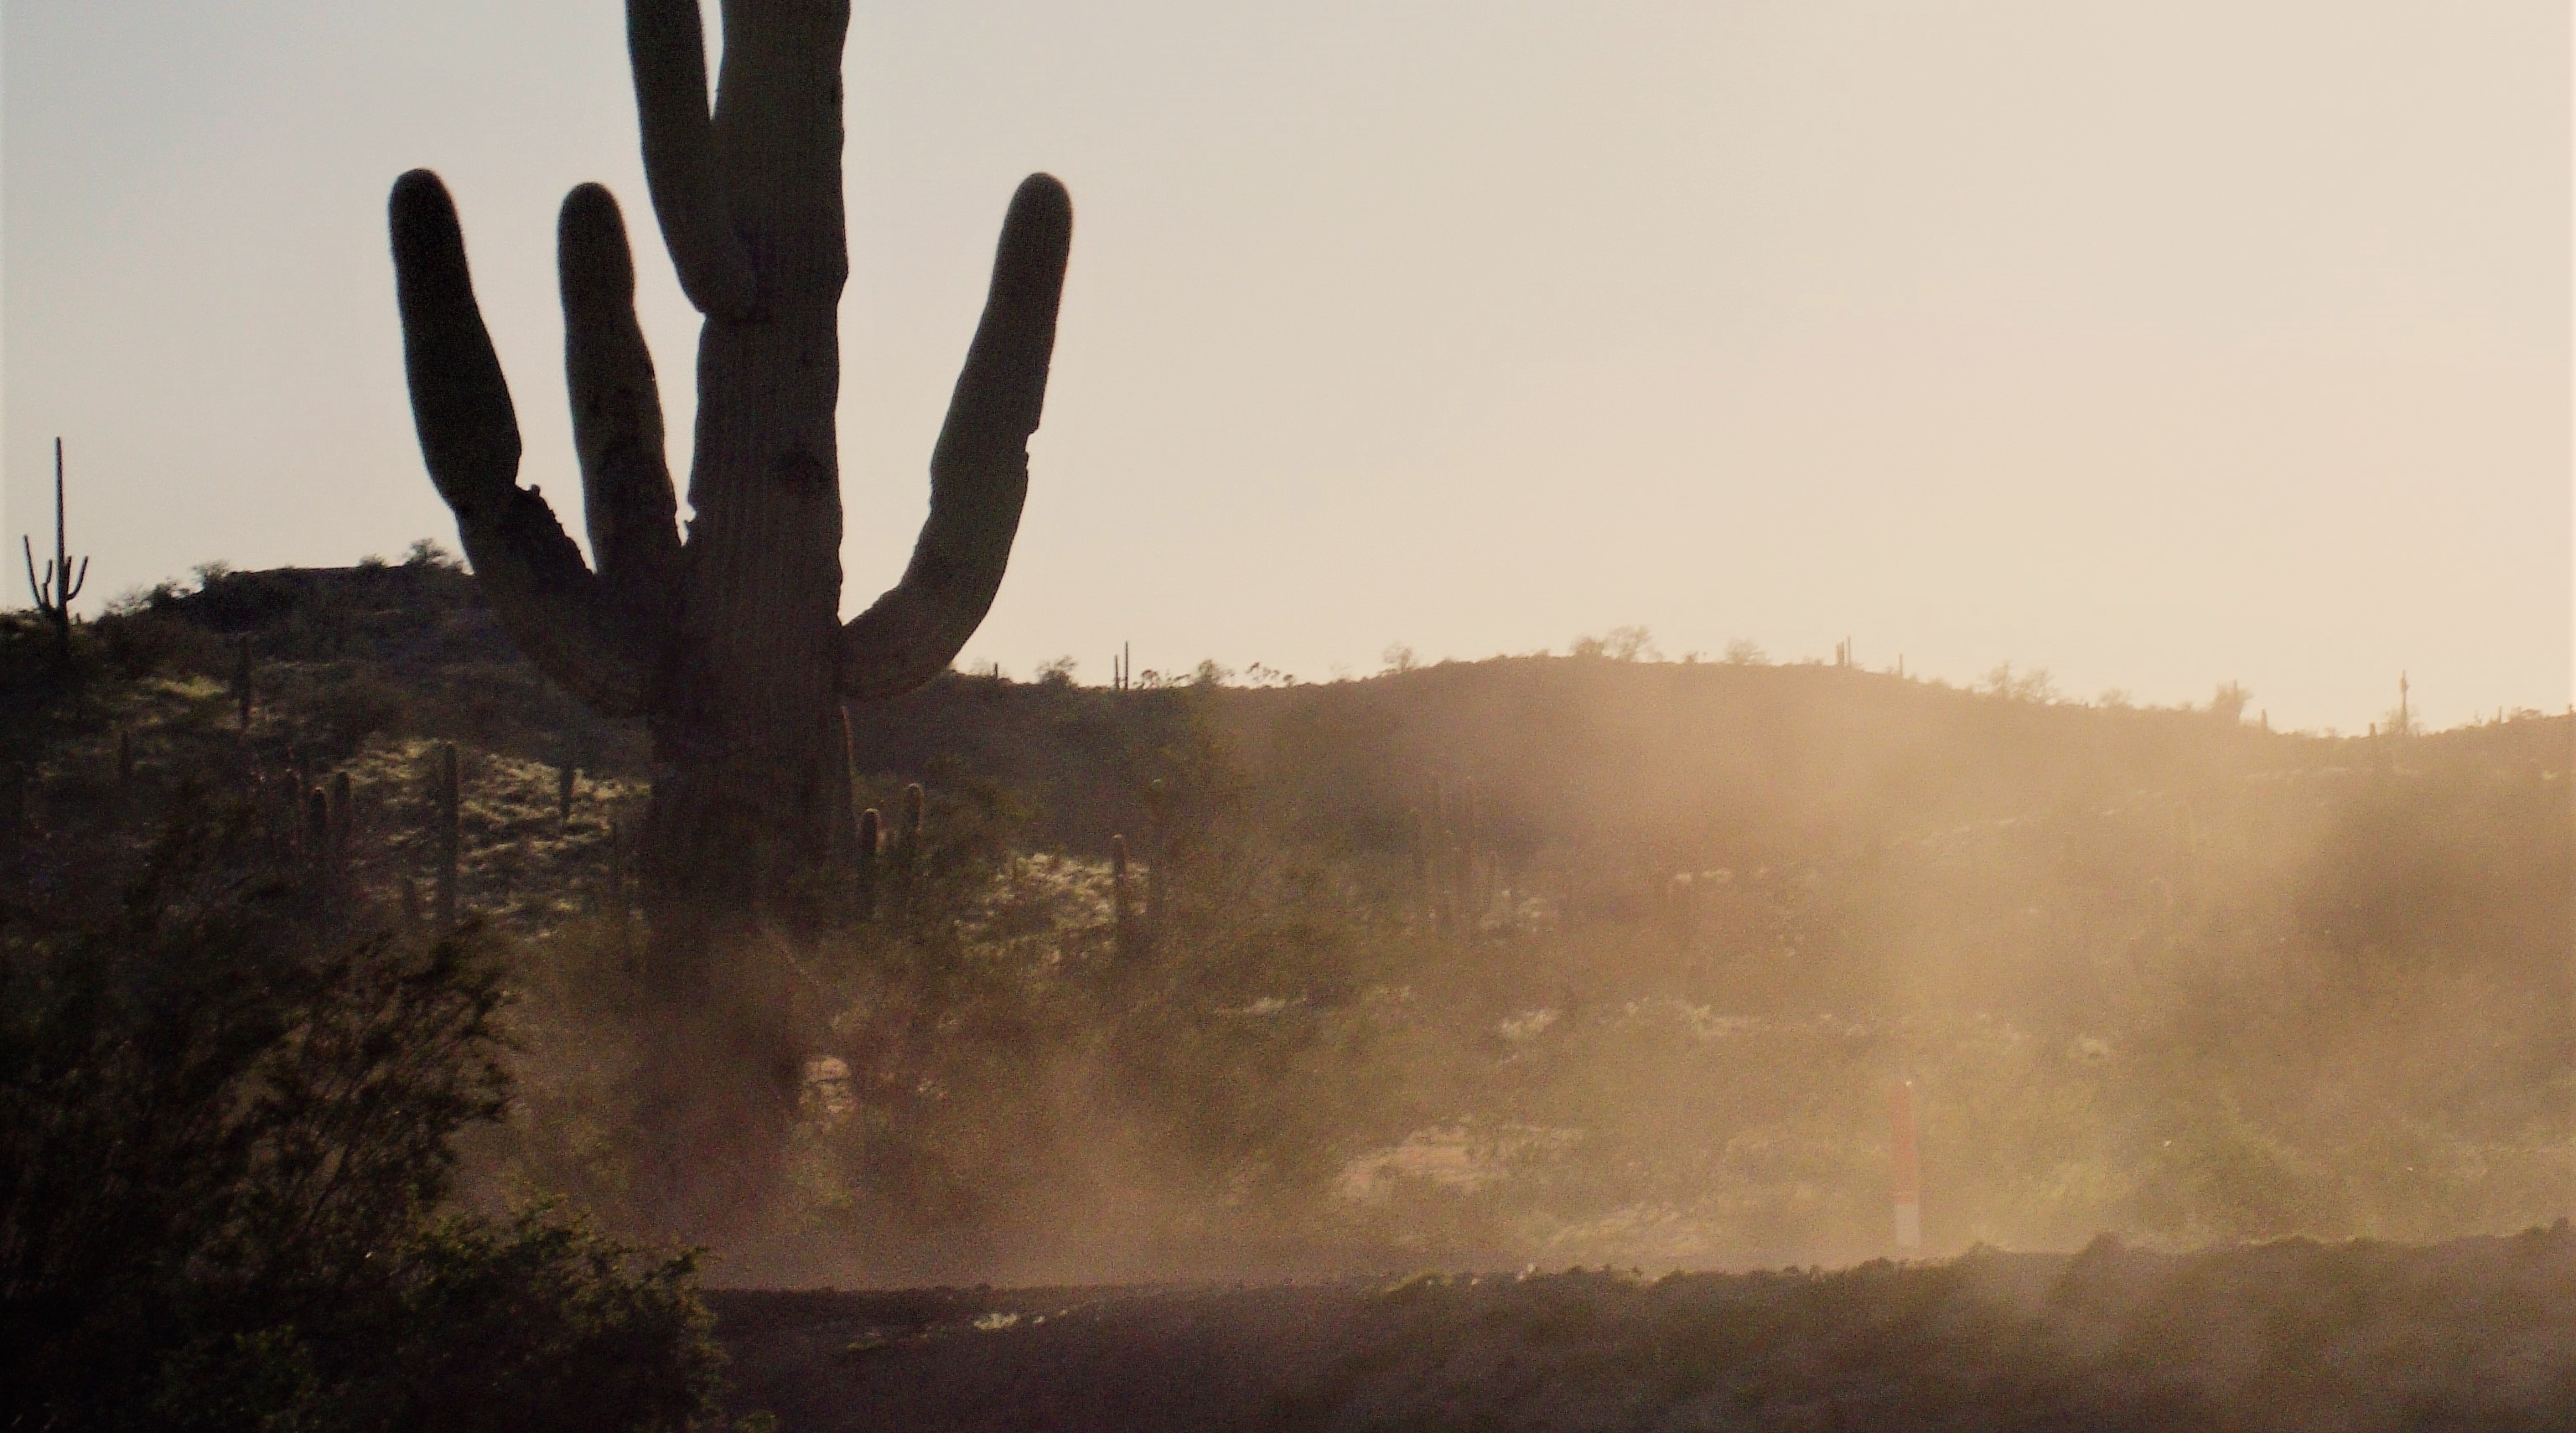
2477,1333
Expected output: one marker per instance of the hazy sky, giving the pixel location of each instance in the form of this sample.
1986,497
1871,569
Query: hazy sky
2156,344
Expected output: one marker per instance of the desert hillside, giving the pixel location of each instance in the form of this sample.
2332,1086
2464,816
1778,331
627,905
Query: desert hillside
1535,958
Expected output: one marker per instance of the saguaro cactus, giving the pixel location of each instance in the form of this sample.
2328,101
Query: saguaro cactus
864,864
53,592
729,644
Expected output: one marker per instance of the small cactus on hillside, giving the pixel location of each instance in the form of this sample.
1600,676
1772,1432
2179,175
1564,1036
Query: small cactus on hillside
53,592
870,847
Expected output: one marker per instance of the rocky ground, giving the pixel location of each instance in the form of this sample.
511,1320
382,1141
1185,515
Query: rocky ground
2475,1333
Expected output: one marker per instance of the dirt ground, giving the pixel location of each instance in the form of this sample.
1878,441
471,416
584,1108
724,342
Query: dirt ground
2472,1334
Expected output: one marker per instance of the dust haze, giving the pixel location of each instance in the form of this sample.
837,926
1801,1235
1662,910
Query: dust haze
1600,959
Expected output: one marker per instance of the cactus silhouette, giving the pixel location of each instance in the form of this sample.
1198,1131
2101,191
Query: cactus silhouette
317,836
871,843
729,644
53,592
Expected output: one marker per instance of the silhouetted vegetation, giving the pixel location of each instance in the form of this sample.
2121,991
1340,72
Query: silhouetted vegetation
231,1089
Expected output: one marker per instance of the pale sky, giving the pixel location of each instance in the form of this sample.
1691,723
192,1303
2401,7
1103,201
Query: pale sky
2156,344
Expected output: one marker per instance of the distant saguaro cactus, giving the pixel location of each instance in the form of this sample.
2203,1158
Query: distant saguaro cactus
317,835
865,862
565,776
730,644
447,837
53,592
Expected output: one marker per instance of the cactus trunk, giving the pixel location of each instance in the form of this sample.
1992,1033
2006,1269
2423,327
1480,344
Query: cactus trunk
865,862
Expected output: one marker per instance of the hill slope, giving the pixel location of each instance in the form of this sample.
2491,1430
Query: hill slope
1527,958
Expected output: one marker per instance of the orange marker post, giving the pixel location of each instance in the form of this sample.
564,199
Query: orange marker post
1907,1171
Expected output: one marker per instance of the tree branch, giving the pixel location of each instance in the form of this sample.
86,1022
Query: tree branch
979,473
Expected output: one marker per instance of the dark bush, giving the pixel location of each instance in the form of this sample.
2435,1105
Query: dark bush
226,1131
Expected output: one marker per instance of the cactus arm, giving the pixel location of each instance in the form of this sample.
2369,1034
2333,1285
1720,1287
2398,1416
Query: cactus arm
666,45
76,585
40,591
469,437
627,497
979,472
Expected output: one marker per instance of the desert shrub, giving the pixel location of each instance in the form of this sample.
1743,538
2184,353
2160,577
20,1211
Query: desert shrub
538,1322
226,1131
